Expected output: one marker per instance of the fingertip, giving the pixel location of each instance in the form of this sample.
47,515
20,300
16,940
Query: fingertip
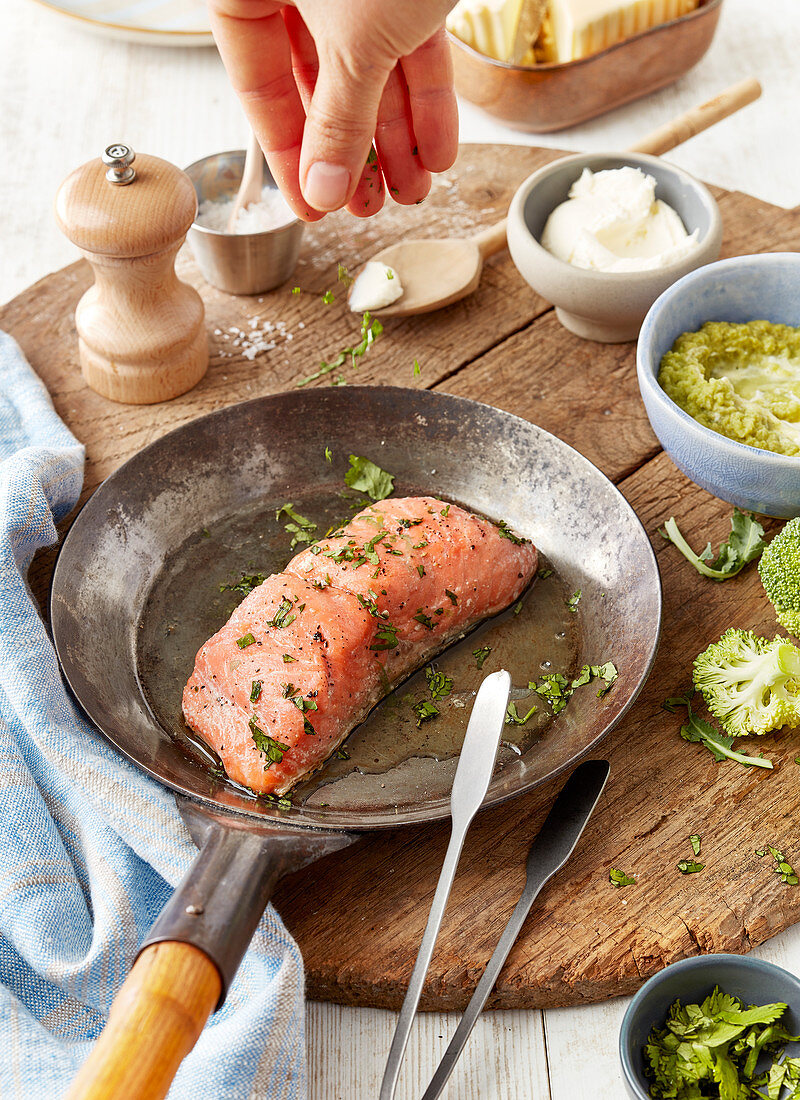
326,186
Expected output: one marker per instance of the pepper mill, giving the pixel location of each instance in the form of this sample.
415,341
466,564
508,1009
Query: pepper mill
141,332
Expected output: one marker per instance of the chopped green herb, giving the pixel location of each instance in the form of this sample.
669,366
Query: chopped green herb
328,455
255,691
543,574
287,658
295,290
272,749
690,867
421,570
274,800
715,1049
619,878
480,655
745,543
452,597
573,601
280,619
370,331
385,638
505,532
555,688
327,297
426,620
206,533
607,673
517,608
782,868
344,276
514,719
246,583
300,528
417,369
424,711
445,511
439,685
695,842
368,478
342,754
245,641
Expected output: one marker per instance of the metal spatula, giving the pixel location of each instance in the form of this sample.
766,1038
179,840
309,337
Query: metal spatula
551,848
474,772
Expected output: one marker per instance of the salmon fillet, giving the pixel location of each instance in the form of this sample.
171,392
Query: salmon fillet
308,653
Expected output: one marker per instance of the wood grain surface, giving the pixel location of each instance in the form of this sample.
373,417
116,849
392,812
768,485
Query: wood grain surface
359,915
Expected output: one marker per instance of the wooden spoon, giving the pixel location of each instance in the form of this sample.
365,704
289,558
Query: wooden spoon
435,273
252,181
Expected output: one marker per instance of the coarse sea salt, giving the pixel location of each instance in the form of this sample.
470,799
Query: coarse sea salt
271,212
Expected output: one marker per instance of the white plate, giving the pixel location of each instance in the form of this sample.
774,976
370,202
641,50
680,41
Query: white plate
151,22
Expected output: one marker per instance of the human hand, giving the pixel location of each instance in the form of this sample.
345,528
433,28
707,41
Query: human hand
319,79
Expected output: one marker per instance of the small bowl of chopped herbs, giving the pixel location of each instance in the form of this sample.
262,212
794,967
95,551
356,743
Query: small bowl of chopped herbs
713,1027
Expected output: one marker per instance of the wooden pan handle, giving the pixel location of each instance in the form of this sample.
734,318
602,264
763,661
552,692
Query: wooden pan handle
155,1021
697,119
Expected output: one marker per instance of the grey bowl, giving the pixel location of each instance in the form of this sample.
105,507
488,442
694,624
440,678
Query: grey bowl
601,305
745,288
239,263
752,980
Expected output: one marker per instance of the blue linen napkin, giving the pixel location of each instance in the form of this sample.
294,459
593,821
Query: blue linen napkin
91,847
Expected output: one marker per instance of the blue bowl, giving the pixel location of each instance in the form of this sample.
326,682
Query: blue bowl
753,981
745,288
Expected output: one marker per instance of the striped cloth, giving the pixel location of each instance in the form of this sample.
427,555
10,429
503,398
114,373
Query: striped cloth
91,847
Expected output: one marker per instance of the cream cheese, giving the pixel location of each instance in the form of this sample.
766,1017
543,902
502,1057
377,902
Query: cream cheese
377,285
612,221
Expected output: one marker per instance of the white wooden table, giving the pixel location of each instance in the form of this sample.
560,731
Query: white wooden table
65,94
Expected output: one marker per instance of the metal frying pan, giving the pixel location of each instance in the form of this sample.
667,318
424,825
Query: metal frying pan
136,590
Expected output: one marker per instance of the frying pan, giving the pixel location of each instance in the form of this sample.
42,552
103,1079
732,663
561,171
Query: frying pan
136,590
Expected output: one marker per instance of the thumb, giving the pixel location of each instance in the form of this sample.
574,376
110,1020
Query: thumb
339,129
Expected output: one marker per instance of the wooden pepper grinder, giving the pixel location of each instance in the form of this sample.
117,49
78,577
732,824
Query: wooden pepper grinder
141,330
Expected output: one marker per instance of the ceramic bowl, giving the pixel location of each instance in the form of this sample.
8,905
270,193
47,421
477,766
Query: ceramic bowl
601,305
754,981
745,288
239,263
547,97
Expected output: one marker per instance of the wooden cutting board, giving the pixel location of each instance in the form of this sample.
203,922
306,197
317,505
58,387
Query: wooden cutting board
359,915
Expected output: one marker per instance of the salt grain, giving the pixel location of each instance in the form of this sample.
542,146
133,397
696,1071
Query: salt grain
271,212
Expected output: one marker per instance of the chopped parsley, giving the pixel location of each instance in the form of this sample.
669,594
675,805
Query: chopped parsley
445,511
452,597
342,754
245,641
255,691
573,601
245,584
439,685
368,478
782,868
300,528
417,368
543,574
385,638
424,711
517,607
505,532
555,688
328,455
426,620
718,1048
618,878
327,297
370,331
690,867
481,654
287,658
421,570
514,719
695,840
282,617
607,673
272,749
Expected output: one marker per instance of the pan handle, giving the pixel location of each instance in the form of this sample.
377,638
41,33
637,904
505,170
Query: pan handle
189,959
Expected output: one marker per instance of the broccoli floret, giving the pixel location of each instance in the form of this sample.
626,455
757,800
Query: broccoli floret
751,684
779,569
